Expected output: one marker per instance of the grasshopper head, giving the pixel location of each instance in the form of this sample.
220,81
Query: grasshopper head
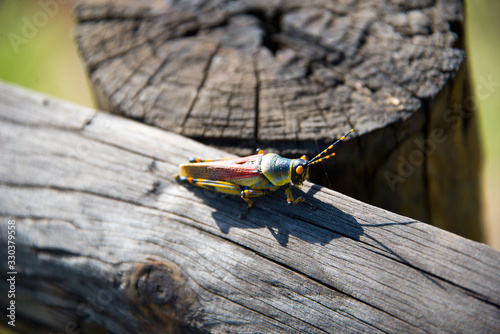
300,171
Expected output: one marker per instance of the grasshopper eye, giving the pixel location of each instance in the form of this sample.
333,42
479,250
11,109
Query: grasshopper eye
299,170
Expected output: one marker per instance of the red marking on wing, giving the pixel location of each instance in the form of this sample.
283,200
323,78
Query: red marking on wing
222,170
237,173
235,170
241,160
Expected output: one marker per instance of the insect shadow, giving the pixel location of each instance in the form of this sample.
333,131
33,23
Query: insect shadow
314,221
317,223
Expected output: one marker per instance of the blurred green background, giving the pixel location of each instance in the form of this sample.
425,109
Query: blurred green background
47,61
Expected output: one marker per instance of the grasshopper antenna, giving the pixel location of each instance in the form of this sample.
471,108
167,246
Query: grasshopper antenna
319,157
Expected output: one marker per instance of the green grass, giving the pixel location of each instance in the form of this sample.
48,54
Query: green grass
483,52
482,31
45,59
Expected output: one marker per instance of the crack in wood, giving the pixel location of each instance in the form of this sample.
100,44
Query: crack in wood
256,103
200,86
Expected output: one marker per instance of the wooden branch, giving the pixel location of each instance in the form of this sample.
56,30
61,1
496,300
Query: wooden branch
290,76
107,240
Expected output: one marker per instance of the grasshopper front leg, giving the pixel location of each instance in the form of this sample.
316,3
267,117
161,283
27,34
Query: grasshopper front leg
291,201
289,196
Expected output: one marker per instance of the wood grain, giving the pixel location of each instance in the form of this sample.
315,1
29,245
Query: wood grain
291,76
279,74
106,239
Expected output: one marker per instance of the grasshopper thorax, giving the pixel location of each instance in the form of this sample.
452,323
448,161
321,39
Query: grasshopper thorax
276,168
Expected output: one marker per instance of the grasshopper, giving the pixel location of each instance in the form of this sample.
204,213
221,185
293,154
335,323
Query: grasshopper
251,176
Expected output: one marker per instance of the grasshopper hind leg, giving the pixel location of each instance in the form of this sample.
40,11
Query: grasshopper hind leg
220,186
195,160
225,188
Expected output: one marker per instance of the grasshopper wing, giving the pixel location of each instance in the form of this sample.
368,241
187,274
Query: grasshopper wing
246,170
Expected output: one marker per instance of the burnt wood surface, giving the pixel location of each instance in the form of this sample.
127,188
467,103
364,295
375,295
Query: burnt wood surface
291,76
107,241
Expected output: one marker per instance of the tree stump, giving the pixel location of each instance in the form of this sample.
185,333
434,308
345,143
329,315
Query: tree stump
107,242
291,76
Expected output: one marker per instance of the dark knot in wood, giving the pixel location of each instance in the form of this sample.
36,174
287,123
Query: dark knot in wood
164,294
156,284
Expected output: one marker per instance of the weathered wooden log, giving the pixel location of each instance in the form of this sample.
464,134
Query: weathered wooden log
290,76
106,240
